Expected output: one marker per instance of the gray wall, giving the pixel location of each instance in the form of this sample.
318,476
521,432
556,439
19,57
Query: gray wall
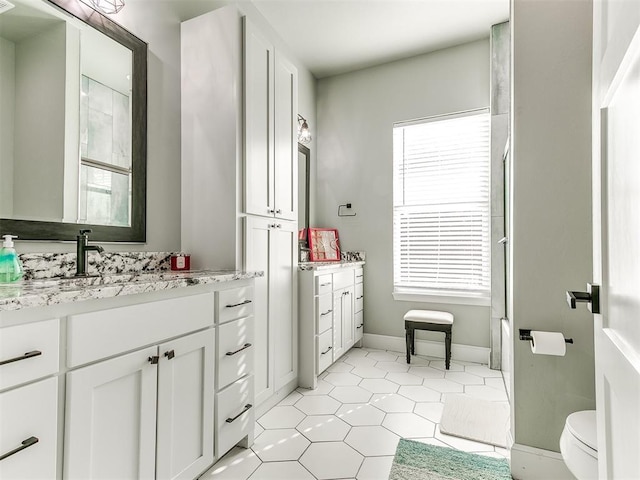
551,212
356,112
7,109
158,23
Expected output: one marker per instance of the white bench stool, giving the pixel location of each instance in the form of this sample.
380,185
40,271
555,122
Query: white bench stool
428,320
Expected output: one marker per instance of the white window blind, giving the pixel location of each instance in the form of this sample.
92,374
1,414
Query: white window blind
441,205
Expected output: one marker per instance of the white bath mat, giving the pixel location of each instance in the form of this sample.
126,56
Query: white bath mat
475,419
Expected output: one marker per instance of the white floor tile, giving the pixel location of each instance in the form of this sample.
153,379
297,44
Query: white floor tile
443,386
464,378
368,372
495,382
373,441
237,464
351,394
431,441
426,372
383,356
323,428
330,460
322,388
281,417
375,468
453,367
340,367
318,405
415,360
355,352
290,399
360,361
483,371
418,393
360,414
392,366
463,443
280,445
409,425
404,378
392,403
430,410
342,379
379,385
281,471
257,429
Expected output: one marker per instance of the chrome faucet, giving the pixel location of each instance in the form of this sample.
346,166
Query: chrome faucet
82,249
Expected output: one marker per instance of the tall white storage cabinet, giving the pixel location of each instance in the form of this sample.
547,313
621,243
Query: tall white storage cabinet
272,246
240,168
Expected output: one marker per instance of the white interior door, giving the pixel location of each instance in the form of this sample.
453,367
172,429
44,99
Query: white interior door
616,183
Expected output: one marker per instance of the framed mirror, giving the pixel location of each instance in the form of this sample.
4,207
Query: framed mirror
304,168
74,154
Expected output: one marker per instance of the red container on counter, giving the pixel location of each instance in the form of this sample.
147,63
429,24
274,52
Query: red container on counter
180,261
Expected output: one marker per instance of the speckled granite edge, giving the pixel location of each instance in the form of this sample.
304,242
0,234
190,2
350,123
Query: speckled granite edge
348,259
40,293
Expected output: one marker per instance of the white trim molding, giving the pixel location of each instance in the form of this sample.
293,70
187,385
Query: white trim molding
529,463
465,353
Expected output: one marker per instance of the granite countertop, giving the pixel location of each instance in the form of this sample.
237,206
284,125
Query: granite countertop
329,265
58,290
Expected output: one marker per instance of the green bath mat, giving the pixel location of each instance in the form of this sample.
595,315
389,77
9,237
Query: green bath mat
420,461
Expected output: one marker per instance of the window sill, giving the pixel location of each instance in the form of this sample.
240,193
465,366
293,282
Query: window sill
454,299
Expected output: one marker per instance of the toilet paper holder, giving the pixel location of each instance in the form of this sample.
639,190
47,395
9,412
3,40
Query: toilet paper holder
525,335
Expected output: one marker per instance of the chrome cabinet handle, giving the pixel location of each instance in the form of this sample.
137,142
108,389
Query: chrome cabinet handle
32,354
326,351
361,296
154,359
170,354
246,409
326,313
278,211
360,326
246,345
271,210
325,284
238,304
25,444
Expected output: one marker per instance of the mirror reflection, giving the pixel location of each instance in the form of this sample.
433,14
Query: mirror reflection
65,111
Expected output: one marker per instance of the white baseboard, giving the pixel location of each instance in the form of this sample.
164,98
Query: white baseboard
465,353
529,463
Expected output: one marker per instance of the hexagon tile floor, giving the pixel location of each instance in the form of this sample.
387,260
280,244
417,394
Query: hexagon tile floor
349,427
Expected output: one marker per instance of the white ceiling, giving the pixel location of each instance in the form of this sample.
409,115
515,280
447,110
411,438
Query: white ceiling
337,36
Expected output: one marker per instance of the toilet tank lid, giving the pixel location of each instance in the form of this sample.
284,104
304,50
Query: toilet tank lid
582,425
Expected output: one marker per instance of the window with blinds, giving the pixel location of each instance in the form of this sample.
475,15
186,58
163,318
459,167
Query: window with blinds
441,205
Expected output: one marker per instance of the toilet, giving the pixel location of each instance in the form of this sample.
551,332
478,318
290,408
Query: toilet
578,445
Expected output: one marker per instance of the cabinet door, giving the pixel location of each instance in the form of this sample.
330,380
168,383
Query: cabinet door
259,119
185,406
257,232
338,343
286,145
283,301
348,327
29,420
111,418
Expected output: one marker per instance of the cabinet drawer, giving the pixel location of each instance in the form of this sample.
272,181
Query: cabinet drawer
234,303
324,312
29,412
235,350
323,350
33,347
324,284
96,335
343,279
359,275
359,321
235,414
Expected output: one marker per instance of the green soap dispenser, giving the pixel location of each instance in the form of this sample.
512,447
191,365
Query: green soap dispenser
10,266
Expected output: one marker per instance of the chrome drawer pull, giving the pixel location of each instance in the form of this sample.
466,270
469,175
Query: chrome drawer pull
360,326
361,296
246,409
359,276
326,351
238,304
326,313
25,444
35,353
325,284
246,345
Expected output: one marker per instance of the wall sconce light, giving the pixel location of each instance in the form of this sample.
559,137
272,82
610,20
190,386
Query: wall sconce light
304,134
108,7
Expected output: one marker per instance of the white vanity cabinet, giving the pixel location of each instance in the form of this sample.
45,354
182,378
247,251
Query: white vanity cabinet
330,316
29,403
117,408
